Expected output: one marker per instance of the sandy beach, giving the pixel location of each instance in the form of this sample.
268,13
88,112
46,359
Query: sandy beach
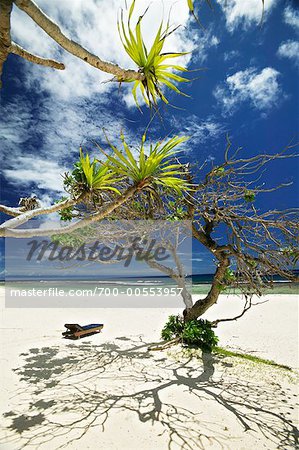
108,391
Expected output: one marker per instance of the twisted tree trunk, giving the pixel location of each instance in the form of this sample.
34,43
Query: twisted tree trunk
202,305
221,253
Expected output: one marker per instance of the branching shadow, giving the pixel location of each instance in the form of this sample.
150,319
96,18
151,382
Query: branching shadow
68,390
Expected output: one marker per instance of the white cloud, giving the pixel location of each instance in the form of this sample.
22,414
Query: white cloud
13,131
36,171
289,49
291,17
55,129
261,89
41,139
45,200
200,131
244,12
228,56
206,41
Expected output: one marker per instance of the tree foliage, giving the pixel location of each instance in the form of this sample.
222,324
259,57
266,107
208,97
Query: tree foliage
194,333
153,64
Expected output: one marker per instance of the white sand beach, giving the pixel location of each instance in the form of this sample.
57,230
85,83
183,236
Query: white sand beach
108,391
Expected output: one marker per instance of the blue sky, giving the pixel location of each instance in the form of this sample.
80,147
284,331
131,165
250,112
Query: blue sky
249,89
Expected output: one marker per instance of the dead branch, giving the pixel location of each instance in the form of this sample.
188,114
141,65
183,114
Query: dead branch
10,211
247,306
165,345
20,51
23,217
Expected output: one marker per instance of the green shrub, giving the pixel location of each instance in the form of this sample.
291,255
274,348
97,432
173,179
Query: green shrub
173,328
194,333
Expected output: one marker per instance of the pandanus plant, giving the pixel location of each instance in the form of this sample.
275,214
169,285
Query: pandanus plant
153,63
158,168
90,179
150,170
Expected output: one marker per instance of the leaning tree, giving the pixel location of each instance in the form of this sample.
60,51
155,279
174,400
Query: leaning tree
249,246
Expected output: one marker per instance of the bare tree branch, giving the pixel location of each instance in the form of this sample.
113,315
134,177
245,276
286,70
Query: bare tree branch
7,231
53,30
5,12
247,306
10,211
23,217
20,51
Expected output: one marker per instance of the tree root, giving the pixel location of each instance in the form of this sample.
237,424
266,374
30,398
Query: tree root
165,345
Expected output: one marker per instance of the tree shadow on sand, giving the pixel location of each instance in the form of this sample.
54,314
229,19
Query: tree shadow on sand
68,390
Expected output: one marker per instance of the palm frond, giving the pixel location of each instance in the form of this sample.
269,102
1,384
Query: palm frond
157,167
98,177
151,63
